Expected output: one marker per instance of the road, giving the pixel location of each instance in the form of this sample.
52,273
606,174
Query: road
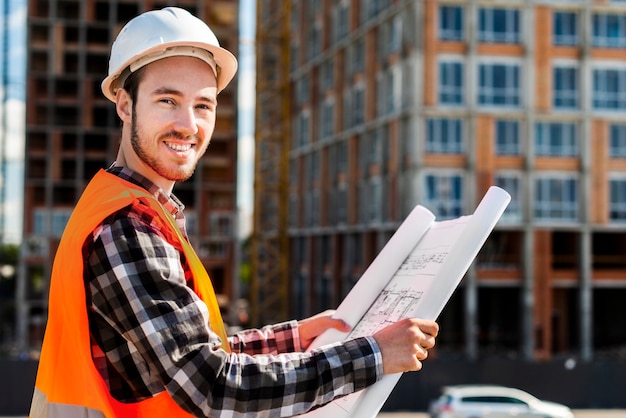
579,413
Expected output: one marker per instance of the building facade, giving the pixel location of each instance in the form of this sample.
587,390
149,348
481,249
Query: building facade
72,131
395,103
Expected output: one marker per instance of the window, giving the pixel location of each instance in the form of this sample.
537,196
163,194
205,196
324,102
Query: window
556,198
358,56
220,225
451,23
337,161
213,249
314,42
191,223
323,264
342,203
312,168
326,77
451,83
293,210
499,25
617,146
301,130
444,135
293,172
407,95
444,195
617,204
370,9
565,28
299,249
511,182
556,139
358,116
354,106
59,221
311,208
327,118
609,30
39,222
302,90
370,206
389,91
499,85
507,137
50,222
307,170
294,18
494,399
408,144
340,21
565,87
394,37
294,57
369,151
609,89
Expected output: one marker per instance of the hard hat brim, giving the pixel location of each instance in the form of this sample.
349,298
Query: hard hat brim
225,60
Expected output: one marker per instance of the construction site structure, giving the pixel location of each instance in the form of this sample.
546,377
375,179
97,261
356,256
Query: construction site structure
269,250
72,131
367,108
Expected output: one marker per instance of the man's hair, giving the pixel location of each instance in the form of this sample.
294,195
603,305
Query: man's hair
131,84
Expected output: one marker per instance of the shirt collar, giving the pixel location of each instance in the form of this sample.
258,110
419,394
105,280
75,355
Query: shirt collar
170,202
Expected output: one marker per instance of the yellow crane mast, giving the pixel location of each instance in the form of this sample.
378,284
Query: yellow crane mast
269,290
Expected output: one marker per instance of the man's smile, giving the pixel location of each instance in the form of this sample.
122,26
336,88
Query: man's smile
178,147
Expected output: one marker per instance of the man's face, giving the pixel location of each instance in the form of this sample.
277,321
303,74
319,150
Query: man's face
173,118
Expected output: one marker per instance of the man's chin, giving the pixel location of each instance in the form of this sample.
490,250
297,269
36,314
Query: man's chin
179,176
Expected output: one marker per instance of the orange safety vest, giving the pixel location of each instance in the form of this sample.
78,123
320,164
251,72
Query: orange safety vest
68,383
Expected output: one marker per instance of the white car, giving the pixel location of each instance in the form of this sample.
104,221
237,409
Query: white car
482,401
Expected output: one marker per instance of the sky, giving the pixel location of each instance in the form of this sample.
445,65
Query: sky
247,93
12,117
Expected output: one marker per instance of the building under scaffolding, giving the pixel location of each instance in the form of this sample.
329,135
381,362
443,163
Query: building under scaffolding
72,131
367,108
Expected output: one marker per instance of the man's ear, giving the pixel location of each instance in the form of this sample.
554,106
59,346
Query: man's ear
123,105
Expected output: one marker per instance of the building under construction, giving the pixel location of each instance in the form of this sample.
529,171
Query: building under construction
367,108
72,131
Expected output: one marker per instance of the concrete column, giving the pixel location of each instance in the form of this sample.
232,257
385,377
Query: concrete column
471,314
528,298
586,297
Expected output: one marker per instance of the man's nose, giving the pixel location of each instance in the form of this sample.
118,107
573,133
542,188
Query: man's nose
186,121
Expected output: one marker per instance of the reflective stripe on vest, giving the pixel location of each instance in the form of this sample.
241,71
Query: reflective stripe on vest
40,407
68,383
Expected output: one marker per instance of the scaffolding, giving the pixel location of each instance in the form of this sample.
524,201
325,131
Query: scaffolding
270,285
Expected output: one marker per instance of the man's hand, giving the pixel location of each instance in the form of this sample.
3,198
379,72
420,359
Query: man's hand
315,325
405,344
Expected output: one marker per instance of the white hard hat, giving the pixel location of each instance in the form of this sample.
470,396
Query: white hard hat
165,33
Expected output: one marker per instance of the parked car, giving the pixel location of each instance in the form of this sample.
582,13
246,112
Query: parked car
482,401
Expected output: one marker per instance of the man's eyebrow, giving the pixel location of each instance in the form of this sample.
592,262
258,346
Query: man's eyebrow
167,90
174,92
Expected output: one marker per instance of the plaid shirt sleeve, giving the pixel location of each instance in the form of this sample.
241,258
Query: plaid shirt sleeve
151,333
272,339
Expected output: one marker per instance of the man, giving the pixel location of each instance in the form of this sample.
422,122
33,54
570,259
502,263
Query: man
134,327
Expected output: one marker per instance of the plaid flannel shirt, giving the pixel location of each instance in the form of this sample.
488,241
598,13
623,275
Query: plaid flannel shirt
150,332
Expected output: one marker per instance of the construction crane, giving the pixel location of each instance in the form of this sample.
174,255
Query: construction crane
269,290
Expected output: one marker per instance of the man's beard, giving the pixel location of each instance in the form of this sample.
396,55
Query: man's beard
181,174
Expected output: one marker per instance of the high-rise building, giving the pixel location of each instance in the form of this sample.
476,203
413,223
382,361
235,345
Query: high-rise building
390,104
72,131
